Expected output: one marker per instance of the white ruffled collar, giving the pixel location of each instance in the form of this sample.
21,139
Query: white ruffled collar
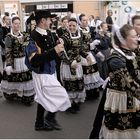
75,37
123,54
19,35
85,30
41,31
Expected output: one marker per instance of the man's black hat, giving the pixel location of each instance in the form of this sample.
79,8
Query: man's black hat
37,15
43,14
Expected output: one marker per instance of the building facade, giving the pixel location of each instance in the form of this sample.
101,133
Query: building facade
123,10
22,8
99,8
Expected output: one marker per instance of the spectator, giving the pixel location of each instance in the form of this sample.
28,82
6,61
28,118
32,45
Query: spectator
91,21
109,20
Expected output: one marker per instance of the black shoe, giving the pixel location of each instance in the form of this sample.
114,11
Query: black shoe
0,95
43,126
76,106
71,110
54,124
94,136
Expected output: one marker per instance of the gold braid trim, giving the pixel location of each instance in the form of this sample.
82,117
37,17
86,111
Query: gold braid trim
33,54
39,50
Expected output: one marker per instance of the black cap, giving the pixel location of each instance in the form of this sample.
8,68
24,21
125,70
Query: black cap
43,14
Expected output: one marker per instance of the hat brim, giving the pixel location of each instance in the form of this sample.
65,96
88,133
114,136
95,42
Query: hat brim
53,15
49,16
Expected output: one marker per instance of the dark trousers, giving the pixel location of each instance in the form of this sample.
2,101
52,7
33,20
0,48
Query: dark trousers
98,118
41,114
58,64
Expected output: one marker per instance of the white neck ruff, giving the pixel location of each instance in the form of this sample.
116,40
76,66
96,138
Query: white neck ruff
75,37
122,53
19,35
85,30
41,31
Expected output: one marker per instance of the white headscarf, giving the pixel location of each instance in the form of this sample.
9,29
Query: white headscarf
121,39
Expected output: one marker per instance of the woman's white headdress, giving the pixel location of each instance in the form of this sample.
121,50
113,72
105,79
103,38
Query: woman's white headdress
121,39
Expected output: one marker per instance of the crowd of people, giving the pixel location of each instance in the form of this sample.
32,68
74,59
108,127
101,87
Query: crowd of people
62,63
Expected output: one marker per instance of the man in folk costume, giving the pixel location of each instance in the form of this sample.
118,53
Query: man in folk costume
136,25
41,53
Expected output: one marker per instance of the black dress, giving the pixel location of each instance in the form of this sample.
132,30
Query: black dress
122,99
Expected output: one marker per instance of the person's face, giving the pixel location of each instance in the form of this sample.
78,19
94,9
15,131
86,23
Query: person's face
72,26
90,18
69,14
7,20
84,21
110,13
53,19
33,25
132,40
65,23
46,23
16,25
104,28
137,25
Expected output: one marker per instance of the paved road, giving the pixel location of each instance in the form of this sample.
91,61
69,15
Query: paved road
17,122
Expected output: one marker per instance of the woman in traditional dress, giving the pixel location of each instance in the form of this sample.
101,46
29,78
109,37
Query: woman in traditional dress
104,46
63,28
17,79
92,79
122,104
71,68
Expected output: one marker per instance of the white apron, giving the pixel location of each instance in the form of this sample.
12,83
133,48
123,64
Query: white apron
49,93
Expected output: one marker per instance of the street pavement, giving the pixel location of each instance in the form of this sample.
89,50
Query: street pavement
17,122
